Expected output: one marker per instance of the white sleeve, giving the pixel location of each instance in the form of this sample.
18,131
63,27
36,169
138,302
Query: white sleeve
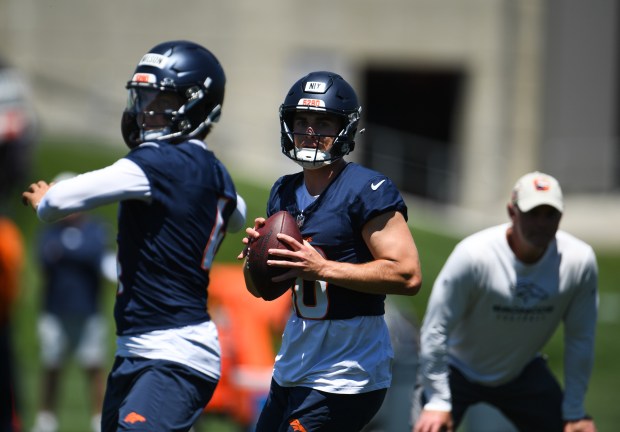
579,333
237,219
120,181
446,306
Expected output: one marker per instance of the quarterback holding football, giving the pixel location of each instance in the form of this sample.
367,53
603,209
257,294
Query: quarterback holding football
335,354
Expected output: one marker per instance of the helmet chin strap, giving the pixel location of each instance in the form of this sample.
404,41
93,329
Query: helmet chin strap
212,118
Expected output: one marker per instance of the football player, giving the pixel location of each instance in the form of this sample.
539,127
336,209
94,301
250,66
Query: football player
176,202
334,365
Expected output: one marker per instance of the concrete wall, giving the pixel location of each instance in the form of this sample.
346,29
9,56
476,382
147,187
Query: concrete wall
536,91
581,95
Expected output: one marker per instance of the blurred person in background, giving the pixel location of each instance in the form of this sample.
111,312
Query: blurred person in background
395,413
18,130
498,300
18,134
72,254
11,261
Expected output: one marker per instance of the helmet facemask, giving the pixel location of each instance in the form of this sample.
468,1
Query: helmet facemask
156,112
167,114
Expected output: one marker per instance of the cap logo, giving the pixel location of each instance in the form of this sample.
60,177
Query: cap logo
155,60
315,87
311,102
542,184
144,78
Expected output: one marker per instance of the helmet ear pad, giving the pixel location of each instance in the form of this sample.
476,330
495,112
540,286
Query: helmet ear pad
130,129
287,144
286,133
346,143
346,147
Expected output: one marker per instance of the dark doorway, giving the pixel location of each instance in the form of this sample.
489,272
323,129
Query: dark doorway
411,119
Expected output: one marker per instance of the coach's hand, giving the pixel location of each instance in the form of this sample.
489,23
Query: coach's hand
582,425
434,421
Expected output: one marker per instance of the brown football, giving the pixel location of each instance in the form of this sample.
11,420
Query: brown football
261,273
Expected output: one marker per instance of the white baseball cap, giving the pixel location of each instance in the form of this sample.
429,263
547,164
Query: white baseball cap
535,189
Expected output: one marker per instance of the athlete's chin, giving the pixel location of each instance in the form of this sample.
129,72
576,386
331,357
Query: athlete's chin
540,241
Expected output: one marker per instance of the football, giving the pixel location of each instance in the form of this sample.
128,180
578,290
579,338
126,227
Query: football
260,272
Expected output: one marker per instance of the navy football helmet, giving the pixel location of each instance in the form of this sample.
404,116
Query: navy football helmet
325,92
176,93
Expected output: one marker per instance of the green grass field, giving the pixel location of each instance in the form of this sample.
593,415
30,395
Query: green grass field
53,156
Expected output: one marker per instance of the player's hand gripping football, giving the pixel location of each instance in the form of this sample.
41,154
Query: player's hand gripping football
302,260
35,193
583,425
252,234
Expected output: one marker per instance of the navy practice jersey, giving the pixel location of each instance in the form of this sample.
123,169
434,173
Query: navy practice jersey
166,247
333,225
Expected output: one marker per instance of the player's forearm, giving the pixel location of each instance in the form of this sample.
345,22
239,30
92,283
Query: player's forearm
375,277
59,203
434,364
238,217
576,377
121,181
579,339
437,392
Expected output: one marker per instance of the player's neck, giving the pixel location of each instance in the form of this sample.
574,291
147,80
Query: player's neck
317,180
525,252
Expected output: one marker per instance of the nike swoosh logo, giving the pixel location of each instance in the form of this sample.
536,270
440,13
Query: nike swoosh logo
376,186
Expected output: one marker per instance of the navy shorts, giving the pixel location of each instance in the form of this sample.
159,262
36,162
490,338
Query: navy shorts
532,401
302,409
154,396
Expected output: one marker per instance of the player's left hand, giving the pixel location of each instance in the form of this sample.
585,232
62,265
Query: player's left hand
583,425
35,193
434,421
252,234
303,260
